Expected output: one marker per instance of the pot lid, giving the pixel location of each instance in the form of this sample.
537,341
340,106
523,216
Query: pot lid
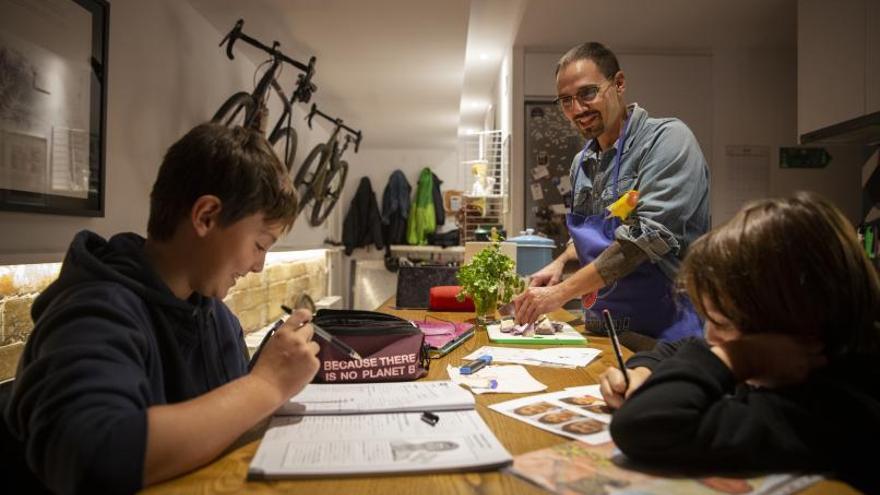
528,238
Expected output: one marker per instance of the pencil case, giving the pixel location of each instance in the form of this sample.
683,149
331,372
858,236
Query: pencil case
393,349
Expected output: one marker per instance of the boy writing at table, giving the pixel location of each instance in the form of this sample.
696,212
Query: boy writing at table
787,378
136,372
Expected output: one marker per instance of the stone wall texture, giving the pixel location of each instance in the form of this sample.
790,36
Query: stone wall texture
256,299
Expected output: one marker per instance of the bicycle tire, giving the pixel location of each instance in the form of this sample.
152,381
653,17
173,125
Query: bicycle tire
230,113
321,209
277,138
304,183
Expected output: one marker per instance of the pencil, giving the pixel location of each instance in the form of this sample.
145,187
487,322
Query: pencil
324,334
612,332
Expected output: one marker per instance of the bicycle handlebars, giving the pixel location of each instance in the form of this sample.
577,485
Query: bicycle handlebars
236,34
358,135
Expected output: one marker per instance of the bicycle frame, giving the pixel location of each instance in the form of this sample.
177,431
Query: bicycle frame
304,88
315,178
358,135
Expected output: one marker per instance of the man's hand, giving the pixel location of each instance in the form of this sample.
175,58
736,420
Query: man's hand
536,301
772,359
547,276
289,360
613,385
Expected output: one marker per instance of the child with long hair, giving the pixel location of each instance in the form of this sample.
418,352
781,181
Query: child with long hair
788,378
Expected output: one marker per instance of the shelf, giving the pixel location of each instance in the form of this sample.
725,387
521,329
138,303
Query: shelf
404,248
864,131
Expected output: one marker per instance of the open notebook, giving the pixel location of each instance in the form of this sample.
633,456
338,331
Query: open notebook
378,428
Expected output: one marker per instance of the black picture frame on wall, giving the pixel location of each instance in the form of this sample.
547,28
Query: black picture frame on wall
53,106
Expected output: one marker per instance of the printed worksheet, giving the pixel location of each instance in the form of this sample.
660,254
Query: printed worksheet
355,398
563,357
512,379
328,445
581,415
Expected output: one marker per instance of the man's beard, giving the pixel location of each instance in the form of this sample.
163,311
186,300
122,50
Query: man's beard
597,128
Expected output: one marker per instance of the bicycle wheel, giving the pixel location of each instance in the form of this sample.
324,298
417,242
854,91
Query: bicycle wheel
309,173
235,111
333,190
281,139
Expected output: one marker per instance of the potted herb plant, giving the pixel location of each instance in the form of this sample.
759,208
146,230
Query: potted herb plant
489,279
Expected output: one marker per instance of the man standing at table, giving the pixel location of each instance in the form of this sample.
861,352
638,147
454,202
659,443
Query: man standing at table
628,260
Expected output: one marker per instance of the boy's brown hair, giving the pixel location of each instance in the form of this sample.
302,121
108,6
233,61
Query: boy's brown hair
237,165
791,266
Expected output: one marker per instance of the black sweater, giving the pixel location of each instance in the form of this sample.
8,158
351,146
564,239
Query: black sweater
110,340
691,414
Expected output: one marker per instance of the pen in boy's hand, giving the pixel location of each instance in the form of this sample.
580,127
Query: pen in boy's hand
263,343
324,334
612,332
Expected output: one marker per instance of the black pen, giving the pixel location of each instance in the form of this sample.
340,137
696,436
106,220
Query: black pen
263,342
324,334
609,325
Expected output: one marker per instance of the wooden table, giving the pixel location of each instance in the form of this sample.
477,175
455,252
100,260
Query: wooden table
228,474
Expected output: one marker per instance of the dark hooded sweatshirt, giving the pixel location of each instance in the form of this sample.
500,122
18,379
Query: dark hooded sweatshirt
110,340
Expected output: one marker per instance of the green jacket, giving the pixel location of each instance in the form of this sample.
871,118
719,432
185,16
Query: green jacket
422,220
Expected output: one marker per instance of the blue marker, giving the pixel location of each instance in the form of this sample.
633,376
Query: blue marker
482,383
475,365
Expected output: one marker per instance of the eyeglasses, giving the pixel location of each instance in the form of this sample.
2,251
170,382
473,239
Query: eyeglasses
584,95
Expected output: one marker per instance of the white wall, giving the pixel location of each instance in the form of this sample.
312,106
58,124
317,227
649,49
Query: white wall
166,74
838,61
377,165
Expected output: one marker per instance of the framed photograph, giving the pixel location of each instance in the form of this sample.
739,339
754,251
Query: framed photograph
53,105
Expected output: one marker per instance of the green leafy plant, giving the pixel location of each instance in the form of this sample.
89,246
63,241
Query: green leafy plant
489,277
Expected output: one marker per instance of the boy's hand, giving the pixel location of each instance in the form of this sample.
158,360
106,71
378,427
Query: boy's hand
772,359
289,360
613,385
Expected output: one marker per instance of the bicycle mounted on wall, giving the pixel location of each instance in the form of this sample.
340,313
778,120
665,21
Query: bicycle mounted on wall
249,110
321,176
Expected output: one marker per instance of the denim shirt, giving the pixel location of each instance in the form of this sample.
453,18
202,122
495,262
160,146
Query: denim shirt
663,161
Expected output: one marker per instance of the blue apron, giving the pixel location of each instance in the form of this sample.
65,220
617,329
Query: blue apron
643,301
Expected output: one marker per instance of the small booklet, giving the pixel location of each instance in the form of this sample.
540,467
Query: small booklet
575,467
359,398
359,436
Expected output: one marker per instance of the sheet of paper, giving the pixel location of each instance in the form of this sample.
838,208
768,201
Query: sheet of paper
537,192
352,398
512,379
559,209
564,185
540,171
605,470
579,416
586,390
570,357
375,443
